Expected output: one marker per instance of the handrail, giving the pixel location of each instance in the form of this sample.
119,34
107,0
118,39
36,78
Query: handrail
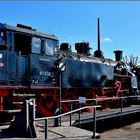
76,110
97,99
67,113
64,114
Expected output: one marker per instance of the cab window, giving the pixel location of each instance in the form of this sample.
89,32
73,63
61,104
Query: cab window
22,44
2,38
50,46
36,45
10,41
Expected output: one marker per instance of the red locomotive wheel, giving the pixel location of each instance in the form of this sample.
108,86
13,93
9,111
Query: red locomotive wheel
46,106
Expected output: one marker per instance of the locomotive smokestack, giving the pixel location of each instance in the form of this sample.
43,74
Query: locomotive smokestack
98,34
98,52
118,55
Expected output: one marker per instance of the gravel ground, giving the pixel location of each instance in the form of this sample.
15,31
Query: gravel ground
128,132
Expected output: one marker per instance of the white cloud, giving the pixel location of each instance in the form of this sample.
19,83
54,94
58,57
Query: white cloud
106,40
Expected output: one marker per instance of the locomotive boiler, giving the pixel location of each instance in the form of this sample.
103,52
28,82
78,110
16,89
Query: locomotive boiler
34,65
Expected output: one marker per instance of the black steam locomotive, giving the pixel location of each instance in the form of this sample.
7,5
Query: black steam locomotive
33,65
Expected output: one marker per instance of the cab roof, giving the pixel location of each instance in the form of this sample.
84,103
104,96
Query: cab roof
26,31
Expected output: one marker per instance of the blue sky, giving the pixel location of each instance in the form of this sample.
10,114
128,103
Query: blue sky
77,21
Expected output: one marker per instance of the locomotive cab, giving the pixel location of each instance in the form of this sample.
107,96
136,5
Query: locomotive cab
25,55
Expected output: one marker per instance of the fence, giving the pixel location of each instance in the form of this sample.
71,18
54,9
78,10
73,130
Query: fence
71,112
58,116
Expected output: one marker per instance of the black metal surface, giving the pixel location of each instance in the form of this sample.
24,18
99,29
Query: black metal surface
17,69
85,74
42,70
